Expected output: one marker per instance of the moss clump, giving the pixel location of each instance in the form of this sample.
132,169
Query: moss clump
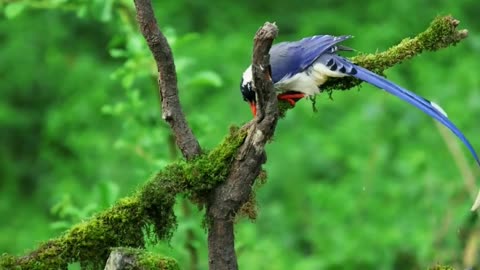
441,34
441,267
194,178
89,242
250,209
139,259
150,261
283,107
200,174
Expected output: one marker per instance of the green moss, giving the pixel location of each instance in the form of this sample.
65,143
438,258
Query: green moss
283,107
440,267
150,261
250,209
143,260
441,33
88,242
194,178
8,261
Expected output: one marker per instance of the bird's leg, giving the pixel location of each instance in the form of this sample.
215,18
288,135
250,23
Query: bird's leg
291,97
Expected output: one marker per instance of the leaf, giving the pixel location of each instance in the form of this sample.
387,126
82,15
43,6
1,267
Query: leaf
117,53
60,225
106,11
14,9
107,109
207,78
109,192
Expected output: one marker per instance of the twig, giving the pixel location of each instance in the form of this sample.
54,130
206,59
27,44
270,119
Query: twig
225,201
167,80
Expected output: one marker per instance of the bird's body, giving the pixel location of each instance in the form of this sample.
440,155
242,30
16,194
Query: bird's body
307,82
297,66
301,67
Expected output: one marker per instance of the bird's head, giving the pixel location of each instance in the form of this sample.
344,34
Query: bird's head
246,87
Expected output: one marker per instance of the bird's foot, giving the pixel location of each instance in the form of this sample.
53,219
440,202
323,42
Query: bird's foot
291,98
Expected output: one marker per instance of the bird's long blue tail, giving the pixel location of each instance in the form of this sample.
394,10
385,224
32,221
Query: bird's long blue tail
423,104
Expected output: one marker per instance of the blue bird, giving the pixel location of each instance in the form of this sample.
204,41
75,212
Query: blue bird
300,68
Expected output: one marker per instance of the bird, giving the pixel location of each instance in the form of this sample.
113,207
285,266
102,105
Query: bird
300,68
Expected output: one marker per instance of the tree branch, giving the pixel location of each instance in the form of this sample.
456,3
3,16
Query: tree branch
225,200
167,80
441,33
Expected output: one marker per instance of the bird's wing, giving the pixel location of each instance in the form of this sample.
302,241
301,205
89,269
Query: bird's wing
290,58
340,64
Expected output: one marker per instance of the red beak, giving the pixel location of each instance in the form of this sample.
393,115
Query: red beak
253,107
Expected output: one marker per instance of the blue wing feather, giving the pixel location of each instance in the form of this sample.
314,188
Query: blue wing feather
290,58
382,83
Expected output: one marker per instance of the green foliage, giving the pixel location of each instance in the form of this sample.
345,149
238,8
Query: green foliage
363,184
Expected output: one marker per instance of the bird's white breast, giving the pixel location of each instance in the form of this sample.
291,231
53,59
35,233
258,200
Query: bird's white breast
247,76
308,81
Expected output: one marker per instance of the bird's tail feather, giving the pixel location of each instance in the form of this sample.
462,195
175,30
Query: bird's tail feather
423,104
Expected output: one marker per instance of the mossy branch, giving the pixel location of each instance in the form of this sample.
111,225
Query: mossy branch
123,225
441,33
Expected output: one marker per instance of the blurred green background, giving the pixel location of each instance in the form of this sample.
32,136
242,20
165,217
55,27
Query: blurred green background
367,182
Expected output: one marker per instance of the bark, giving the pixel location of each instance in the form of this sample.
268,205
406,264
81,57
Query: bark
167,80
225,201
